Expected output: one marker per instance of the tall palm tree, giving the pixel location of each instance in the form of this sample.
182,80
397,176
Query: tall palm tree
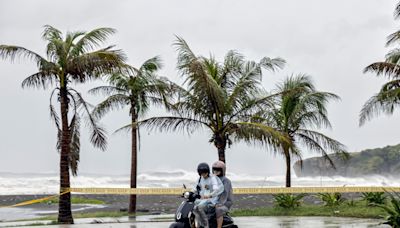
298,113
388,98
136,91
70,59
218,97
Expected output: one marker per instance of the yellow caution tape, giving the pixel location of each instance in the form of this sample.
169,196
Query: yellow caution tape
130,191
270,190
278,190
29,202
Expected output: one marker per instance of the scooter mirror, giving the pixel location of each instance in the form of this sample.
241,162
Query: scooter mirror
184,186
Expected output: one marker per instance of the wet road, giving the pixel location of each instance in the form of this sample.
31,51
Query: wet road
253,222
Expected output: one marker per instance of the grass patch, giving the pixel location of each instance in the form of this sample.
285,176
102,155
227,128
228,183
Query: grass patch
37,224
76,200
358,210
100,214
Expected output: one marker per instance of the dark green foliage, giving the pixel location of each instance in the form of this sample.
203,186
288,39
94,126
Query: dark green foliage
374,198
393,209
288,201
383,161
331,199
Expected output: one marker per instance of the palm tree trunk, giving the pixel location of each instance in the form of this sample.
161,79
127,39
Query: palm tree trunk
220,143
132,200
64,206
288,168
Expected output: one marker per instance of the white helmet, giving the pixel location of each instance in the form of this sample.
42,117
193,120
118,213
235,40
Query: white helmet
219,166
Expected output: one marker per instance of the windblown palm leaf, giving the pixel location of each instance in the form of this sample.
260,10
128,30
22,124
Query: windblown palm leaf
388,98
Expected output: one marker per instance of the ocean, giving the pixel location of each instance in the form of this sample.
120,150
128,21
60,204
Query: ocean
48,183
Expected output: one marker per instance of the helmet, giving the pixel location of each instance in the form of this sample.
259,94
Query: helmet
219,166
203,168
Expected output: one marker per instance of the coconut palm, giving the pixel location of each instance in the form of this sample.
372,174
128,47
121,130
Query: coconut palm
298,113
70,59
388,98
137,91
218,97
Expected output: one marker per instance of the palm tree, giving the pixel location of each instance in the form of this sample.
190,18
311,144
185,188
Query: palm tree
388,98
298,112
219,96
136,91
70,59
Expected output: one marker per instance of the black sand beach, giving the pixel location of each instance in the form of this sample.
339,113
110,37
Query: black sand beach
155,204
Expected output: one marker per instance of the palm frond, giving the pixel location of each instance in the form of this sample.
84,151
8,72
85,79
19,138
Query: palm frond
106,90
171,123
113,102
310,109
57,52
197,78
321,143
376,105
247,85
94,64
384,68
75,144
50,33
250,106
40,79
97,134
397,11
296,153
151,65
254,133
393,56
53,114
13,52
90,40
296,85
312,119
272,64
393,38
231,69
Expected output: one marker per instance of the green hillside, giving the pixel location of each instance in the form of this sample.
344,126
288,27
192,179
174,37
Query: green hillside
379,161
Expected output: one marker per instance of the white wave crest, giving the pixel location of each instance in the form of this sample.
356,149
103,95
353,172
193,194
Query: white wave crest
17,184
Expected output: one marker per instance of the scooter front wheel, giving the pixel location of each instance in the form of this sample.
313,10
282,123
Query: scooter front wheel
177,225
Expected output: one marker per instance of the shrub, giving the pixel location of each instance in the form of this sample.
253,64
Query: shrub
374,198
288,201
393,209
331,199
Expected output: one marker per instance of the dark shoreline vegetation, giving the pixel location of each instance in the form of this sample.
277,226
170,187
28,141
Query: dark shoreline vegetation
378,161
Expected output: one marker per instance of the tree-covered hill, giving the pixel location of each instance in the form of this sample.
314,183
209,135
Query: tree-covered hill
379,161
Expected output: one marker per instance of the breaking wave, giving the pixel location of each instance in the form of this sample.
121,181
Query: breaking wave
17,184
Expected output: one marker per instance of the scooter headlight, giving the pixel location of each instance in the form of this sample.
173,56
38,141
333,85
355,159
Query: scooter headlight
186,195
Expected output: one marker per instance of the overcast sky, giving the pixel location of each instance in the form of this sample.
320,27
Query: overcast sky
330,40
